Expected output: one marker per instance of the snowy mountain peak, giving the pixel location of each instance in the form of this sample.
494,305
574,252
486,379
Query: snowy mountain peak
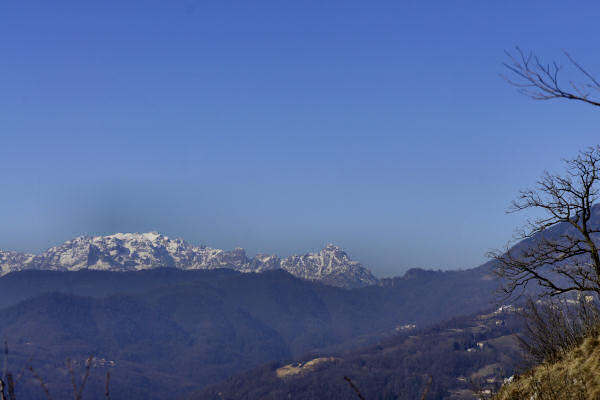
138,251
334,251
331,265
148,236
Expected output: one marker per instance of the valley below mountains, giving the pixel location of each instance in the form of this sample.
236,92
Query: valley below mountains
465,358
168,319
167,332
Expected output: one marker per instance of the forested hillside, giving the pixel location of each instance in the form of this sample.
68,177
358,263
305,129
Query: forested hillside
463,357
167,331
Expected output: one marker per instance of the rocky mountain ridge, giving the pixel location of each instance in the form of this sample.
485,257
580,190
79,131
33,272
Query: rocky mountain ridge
140,251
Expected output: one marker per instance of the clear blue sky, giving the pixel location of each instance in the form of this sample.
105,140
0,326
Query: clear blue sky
279,126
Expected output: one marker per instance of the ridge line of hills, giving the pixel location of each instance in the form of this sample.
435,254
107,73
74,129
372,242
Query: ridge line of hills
167,330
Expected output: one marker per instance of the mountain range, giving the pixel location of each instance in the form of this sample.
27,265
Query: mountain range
185,321
141,251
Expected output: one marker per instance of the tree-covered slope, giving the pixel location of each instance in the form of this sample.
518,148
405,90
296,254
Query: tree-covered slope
461,356
172,331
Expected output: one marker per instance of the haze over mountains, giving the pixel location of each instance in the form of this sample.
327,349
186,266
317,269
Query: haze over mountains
201,314
197,312
478,350
170,331
140,251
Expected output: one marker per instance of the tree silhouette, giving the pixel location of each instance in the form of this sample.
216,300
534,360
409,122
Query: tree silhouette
559,259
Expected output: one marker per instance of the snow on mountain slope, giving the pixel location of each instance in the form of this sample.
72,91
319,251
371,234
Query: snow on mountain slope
12,261
138,251
331,265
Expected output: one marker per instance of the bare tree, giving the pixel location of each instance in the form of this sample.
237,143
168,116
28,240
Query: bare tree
560,252
540,81
559,260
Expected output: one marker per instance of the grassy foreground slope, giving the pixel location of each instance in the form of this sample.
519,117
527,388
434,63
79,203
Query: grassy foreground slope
575,376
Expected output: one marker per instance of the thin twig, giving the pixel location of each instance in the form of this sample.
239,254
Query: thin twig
23,370
5,368
11,386
88,365
429,380
106,386
72,375
353,386
41,382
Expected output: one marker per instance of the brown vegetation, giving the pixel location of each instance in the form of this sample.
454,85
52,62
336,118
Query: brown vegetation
564,338
573,377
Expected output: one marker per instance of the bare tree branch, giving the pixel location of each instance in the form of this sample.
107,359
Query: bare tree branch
540,81
107,386
41,382
354,387
558,259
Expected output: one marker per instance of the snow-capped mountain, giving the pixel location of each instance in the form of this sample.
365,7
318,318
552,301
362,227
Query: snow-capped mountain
138,251
12,261
331,266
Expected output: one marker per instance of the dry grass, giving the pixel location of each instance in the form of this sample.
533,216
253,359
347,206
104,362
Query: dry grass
576,376
292,370
564,340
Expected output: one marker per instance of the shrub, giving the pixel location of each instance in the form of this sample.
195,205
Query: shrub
554,327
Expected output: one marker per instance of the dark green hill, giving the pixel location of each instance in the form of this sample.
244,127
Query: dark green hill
170,331
462,355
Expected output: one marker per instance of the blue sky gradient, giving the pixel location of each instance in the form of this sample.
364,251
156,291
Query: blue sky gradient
279,126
